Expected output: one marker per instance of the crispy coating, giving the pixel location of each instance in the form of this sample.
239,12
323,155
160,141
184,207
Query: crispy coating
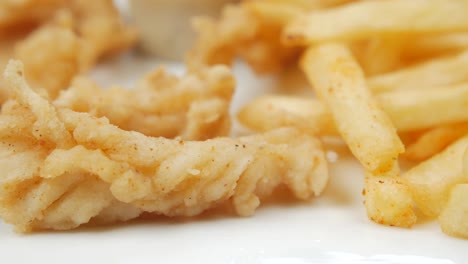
76,168
241,33
251,30
194,107
70,40
58,48
99,23
24,12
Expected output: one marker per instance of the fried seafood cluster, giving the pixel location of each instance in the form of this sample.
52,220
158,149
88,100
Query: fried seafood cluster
58,39
62,168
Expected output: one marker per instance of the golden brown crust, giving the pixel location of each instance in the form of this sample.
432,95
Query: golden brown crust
78,167
193,107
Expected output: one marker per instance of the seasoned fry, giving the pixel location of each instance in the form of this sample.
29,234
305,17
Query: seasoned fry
381,55
431,46
195,106
305,4
409,109
274,111
434,141
434,73
431,181
281,12
454,217
107,167
364,126
406,109
368,18
388,201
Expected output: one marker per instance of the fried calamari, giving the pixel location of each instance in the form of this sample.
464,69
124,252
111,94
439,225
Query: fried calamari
68,41
240,32
193,107
61,168
251,30
15,13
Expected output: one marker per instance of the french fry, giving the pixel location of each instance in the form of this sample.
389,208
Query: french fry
431,181
364,126
410,137
368,18
454,218
381,55
434,141
388,201
273,111
307,4
431,46
438,72
409,109
278,11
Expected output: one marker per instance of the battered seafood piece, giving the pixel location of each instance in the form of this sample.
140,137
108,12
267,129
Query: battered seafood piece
195,106
100,24
251,30
76,167
14,12
71,40
240,32
53,55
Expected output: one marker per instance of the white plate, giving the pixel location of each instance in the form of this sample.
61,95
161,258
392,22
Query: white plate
330,229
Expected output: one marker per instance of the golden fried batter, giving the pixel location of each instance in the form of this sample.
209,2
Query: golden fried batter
251,30
70,39
195,106
14,13
240,32
61,168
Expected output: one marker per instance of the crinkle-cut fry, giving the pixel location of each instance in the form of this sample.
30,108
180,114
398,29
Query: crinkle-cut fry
195,106
388,201
454,217
437,72
433,141
107,166
364,126
368,18
239,32
269,112
407,110
431,180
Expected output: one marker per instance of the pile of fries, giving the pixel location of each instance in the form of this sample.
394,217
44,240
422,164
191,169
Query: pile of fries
390,79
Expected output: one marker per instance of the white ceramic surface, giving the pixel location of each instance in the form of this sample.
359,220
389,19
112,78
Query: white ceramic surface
330,229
